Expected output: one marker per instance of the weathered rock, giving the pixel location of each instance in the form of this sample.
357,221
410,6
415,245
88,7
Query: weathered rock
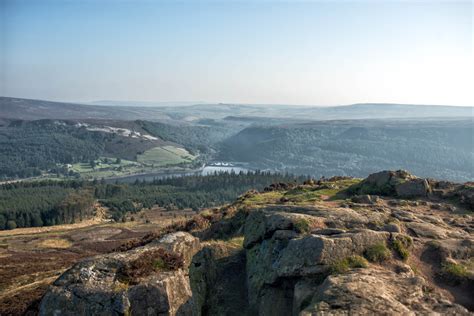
370,291
260,270
395,183
366,199
466,195
458,249
399,183
217,275
261,225
428,230
383,178
334,217
96,287
328,231
391,228
313,254
274,260
413,188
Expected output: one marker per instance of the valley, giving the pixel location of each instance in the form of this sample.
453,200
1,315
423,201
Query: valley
236,158
109,183
319,144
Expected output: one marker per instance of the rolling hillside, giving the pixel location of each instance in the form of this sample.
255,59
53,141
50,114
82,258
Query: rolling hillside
431,148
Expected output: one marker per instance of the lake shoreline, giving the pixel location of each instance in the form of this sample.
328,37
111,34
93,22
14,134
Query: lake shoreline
204,170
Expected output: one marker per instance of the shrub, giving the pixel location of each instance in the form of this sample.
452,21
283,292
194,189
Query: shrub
400,250
400,244
302,225
377,253
348,263
11,224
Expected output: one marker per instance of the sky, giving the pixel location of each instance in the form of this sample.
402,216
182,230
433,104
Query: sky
258,52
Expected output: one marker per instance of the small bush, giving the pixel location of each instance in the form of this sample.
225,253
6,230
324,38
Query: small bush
400,250
454,273
348,263
302,225
377,253
357,262
159,264
400,245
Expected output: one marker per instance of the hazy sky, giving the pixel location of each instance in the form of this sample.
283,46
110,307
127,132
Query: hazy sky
318,53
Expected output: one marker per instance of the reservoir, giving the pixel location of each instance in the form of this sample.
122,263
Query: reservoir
205,171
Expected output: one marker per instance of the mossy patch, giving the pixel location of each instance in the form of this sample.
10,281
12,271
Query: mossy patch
377,253
454,273
302,225
308,194
400,249
264,198
159,264
237,242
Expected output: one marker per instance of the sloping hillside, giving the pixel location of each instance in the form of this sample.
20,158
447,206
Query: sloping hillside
82,148
431,148
28,109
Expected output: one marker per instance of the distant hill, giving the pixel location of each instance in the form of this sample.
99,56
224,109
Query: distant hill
430,147
143,103
27,109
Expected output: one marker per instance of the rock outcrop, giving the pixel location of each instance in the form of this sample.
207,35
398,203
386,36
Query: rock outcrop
99,286
400,183
373,291
405,249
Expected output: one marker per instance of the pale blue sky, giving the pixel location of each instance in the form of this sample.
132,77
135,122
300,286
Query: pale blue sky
315,53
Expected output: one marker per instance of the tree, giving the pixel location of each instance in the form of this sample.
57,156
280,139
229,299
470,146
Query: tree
118,161
11,224
36,220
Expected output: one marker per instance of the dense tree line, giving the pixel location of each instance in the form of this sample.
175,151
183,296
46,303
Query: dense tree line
32,204
31,147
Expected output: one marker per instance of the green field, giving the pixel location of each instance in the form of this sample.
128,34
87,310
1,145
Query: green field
106,167
165,156
149,161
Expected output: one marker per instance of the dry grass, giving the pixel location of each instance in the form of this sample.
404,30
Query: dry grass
58,243
50,229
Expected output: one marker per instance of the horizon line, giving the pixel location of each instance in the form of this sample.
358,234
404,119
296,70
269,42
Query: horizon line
91,103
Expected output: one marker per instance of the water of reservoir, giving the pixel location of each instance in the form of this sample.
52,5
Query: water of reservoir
207,170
